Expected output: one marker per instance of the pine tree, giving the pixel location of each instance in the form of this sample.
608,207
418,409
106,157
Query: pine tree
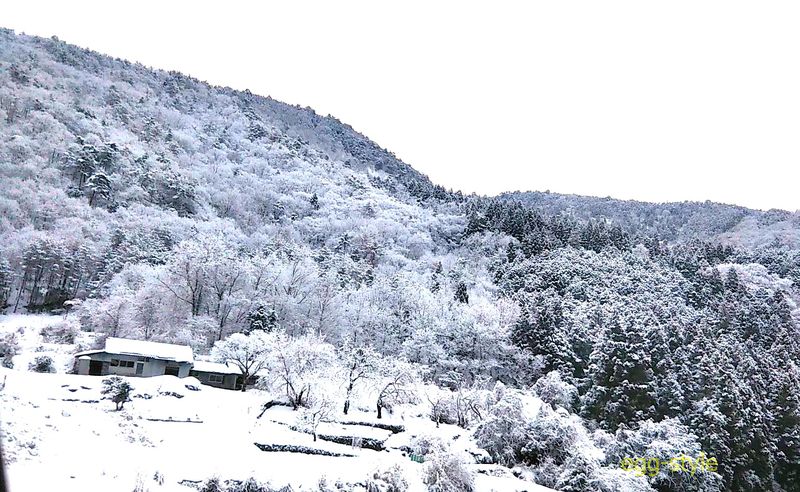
436,277
623,389
541,330
786,411
462,294
118,389
100,186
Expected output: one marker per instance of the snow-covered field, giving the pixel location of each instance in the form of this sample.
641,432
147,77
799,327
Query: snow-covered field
59,433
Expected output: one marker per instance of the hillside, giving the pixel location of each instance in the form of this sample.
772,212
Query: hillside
175,434
145,204
679,221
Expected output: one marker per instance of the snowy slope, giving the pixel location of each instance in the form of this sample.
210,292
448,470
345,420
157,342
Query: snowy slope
59,432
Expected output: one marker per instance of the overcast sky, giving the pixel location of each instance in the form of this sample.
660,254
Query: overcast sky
657,101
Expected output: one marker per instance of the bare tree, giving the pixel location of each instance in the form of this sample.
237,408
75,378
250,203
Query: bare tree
396,384
361,362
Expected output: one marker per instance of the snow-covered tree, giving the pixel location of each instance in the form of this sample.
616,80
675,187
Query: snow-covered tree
250,353
360,363
118,390
295,366
396,383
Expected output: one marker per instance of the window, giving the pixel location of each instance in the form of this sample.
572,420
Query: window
114,362
216,378
126,363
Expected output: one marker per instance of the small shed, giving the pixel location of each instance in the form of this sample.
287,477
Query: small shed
227,376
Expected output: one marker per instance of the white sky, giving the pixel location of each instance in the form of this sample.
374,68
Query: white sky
656,101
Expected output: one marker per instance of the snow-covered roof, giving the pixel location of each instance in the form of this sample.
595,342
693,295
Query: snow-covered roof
156,350
217,367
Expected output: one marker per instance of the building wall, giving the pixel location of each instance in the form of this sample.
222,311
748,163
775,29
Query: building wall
229,381
151,367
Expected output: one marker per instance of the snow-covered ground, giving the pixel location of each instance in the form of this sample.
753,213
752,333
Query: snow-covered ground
59,433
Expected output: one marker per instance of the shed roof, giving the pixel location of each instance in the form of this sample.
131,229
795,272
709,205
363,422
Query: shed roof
140,348
215,367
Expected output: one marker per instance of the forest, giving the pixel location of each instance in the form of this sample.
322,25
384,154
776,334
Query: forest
158,207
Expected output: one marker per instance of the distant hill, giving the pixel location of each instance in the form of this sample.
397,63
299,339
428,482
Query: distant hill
677,221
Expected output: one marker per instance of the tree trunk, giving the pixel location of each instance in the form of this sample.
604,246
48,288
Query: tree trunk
21,288
380,411
346,406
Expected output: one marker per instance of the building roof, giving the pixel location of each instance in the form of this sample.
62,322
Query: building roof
215,367
140,348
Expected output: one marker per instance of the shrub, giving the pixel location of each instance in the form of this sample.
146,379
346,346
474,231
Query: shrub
42,363
551,434
504,432
446,471
512,435
211,485
424,444
63,332
9,347
555,391
391,479
249,485
118,389
214,484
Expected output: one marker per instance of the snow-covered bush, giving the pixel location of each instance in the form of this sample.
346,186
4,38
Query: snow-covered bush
442,405
504,431
118,390
613,479
461,406
9,347
424,444
212,485
391,479
577,475
63,331
138,485
445,470
42,363
249,485
555,391
546,473
551,434
666,439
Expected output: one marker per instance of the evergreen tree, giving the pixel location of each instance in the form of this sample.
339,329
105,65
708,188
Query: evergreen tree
462,294
786,409
540,329
623,389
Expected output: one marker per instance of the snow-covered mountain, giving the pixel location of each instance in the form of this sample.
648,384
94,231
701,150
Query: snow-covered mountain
145,204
